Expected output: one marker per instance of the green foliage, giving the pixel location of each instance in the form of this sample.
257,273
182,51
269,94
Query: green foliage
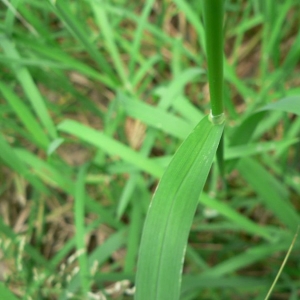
98,103
171,214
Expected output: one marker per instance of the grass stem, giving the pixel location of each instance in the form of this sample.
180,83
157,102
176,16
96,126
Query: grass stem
213,17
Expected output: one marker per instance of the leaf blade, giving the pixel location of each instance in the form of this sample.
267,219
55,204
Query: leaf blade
169,218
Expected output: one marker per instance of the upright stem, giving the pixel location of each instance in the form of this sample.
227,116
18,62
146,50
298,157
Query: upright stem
213,18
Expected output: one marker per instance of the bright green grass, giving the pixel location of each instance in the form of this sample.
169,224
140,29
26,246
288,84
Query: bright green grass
77,176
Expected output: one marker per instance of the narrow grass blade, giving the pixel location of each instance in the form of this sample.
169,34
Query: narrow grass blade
54,177
156,117
80,230
271,191
243,134
30,88
29,249
243,259
99,256
282,265
139,35
25,116
68,62
176,86
260,147
62,9
241,221
289,104
8,155
171,214
192,283
145,68
110,146
187,110
193,17
108,33
220,158
133,240
50,175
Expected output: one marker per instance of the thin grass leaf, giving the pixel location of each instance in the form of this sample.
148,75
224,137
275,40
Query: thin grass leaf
135,229
176,86
271,191
187,110
10,158
99,255
194,283
62,9
30,88
110,146
80,230
242,260
139,35
147,66
257,148
102,20
54,177
242,222
29,249
67,62
282,265
25,116
288,104
171,213
231,153
156,117
193,18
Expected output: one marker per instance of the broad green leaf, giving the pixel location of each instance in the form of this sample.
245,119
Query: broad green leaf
171,214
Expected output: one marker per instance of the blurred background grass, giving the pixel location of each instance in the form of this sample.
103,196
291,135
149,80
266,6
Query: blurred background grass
96,96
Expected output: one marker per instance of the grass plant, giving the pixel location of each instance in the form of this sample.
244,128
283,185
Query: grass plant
104,110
